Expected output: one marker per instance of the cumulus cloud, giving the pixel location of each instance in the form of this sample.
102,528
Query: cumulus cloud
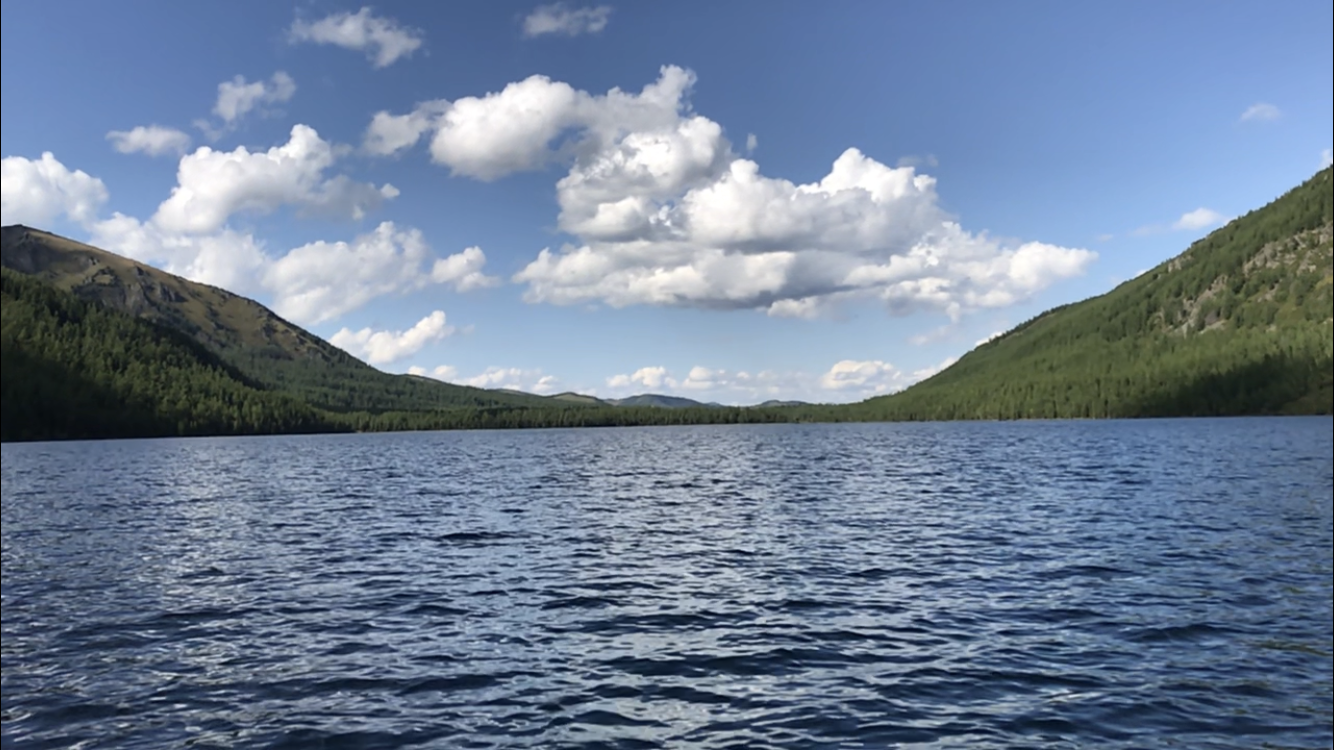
520,127
310,284
189,234
504,132
446,373
38,191
846,380
563,20
665,212
226,258
648,377
322,280
1326,158
237,98
463,271
873,375
507,378
389,134
154,140
384,40
1260,112
1200,218
382,347
214,185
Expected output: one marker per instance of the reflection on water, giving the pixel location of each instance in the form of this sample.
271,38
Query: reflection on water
1108,584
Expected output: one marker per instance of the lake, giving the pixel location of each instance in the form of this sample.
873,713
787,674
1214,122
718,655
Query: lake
1108,584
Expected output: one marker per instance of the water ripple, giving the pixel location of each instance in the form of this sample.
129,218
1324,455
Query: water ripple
1044,585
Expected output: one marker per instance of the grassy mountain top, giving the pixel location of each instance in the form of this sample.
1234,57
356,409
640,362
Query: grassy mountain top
1239,323
263,346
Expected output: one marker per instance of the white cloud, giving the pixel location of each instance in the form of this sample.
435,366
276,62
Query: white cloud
705,379
508,378
323,280
873,375
237,98
388,134
446,373
560,18
665,212
1326,158
310,284
214,185
383,40
752,143
226,258
154,140
187,236
648,377
382,347
995,335
36,192
463,270
1200,218
513,130
504,132
1261,111
847,380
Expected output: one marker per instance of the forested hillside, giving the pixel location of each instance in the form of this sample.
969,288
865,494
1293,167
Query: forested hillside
244,333
1240,323
76,369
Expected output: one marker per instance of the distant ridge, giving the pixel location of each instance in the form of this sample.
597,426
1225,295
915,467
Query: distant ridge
659,400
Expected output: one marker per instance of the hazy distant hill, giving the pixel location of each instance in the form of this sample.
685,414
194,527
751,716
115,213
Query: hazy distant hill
244,333
1240,323
658,399
642,399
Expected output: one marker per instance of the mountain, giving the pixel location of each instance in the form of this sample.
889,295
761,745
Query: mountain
775,403
76,369
578,398
1240,323
656,400
659,400
265,348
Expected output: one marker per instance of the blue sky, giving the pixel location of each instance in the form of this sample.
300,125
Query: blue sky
729,201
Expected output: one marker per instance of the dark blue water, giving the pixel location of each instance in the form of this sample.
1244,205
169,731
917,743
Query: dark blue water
1046,585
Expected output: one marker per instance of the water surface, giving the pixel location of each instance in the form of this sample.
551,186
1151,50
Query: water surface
1055,585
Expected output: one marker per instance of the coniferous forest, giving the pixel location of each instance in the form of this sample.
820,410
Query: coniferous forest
99,346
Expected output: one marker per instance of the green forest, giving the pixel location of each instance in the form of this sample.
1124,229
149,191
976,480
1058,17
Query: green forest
76,369
97,346
1240,323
